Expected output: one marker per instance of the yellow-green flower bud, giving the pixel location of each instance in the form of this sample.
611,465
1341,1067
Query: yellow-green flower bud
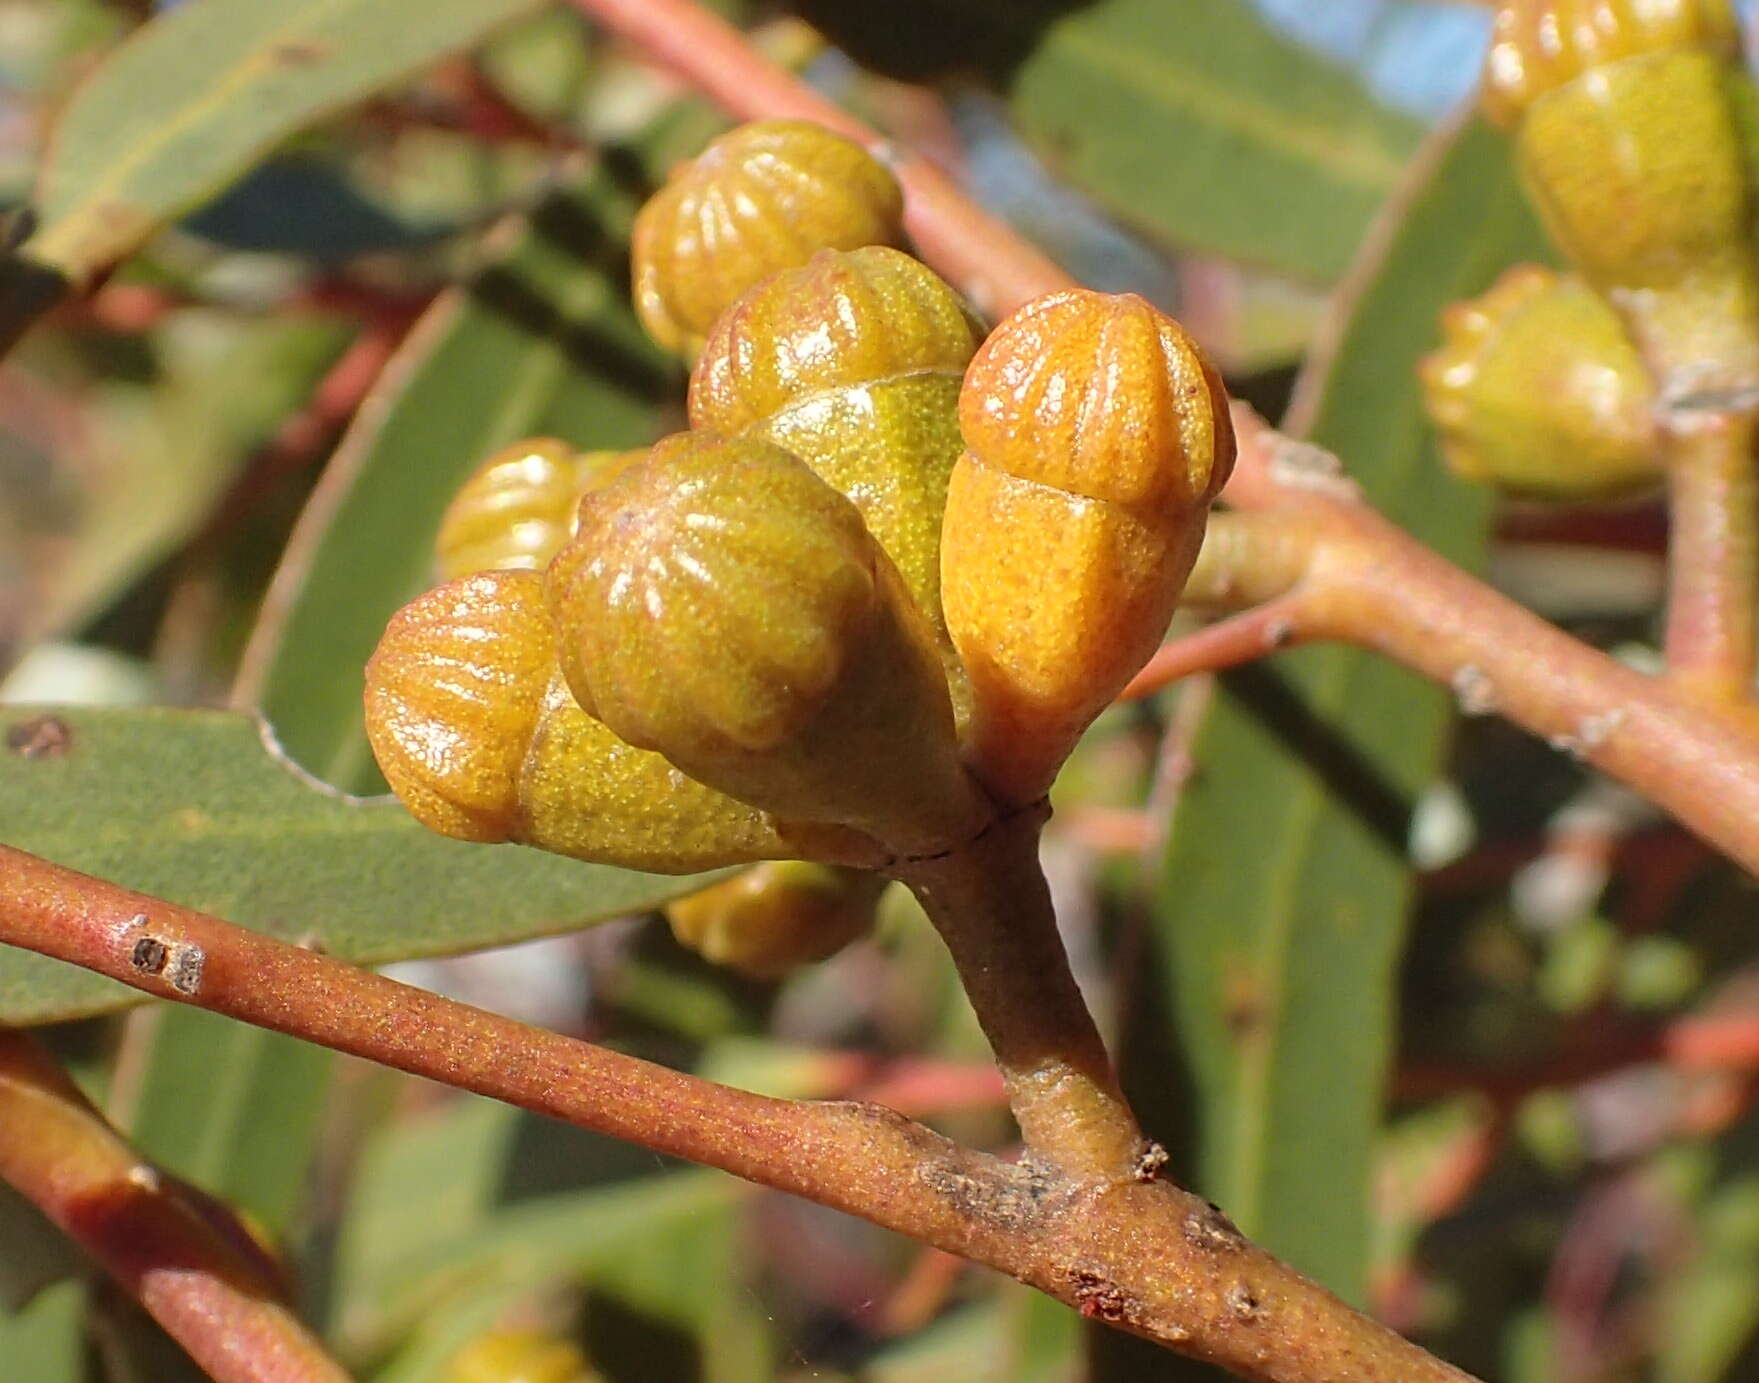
1628,143
1537,389
1541,45
758,200
517,508
775,917
723,606
1096,436
853,362
519,1356
477,734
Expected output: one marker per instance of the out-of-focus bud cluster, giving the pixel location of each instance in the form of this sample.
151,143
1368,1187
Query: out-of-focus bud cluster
1537,390
1626,131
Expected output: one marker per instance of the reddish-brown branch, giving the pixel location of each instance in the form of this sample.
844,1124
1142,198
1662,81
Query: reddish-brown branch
1713,555
992,906
159,1244
1140,1253
1370,584
1245,638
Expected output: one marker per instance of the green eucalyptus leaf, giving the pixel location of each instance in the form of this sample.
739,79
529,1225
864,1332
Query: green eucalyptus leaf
199,807
1198,123
1285,886
200,93
235,1110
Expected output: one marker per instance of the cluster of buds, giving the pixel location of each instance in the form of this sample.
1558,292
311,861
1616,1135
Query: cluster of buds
1624,117
865,605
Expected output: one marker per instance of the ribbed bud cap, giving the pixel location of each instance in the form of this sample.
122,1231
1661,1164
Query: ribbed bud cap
840,320
517,508
1540,45
453,695
724,607
710,596
1100,395
758,200
1536,388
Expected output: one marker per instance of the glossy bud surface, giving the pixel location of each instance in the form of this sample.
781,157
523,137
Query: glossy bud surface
758,200
778,916
476,732
724,607
1096,436
853,362
1537,389
1540,45
517,508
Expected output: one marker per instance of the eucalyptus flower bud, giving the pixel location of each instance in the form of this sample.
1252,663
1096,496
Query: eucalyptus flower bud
778,916
517,508
759,199
1629,145
724,607
1096,436
477,734
853,362
1537,389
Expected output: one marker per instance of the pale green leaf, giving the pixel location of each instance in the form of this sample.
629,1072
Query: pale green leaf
1196,122
1284,892
195,807
197,95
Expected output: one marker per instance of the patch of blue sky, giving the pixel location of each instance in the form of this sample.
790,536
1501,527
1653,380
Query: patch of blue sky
1420,57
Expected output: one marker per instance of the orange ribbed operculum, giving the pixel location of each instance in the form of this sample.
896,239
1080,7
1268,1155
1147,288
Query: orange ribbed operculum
453,695
1096,436
758,200
724,607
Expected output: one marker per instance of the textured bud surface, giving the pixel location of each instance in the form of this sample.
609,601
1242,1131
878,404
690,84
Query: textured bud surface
453,693
477,734
1100,395
1540,45
587,794
1536,388
854,363
840,320
724,607
1639,173
758,200
1096,435
517,508
777,916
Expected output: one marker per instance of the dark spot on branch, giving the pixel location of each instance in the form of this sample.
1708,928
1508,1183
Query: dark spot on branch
1097,1297
185,971
180,962
149,955
41,737
1007,1198
1243,1302
1207,1228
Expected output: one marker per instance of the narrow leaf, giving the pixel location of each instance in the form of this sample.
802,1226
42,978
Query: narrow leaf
1284,890
195,806
1198,123
234,1109
200,93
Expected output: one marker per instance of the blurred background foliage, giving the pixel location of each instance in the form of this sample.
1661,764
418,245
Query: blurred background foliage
1396,986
